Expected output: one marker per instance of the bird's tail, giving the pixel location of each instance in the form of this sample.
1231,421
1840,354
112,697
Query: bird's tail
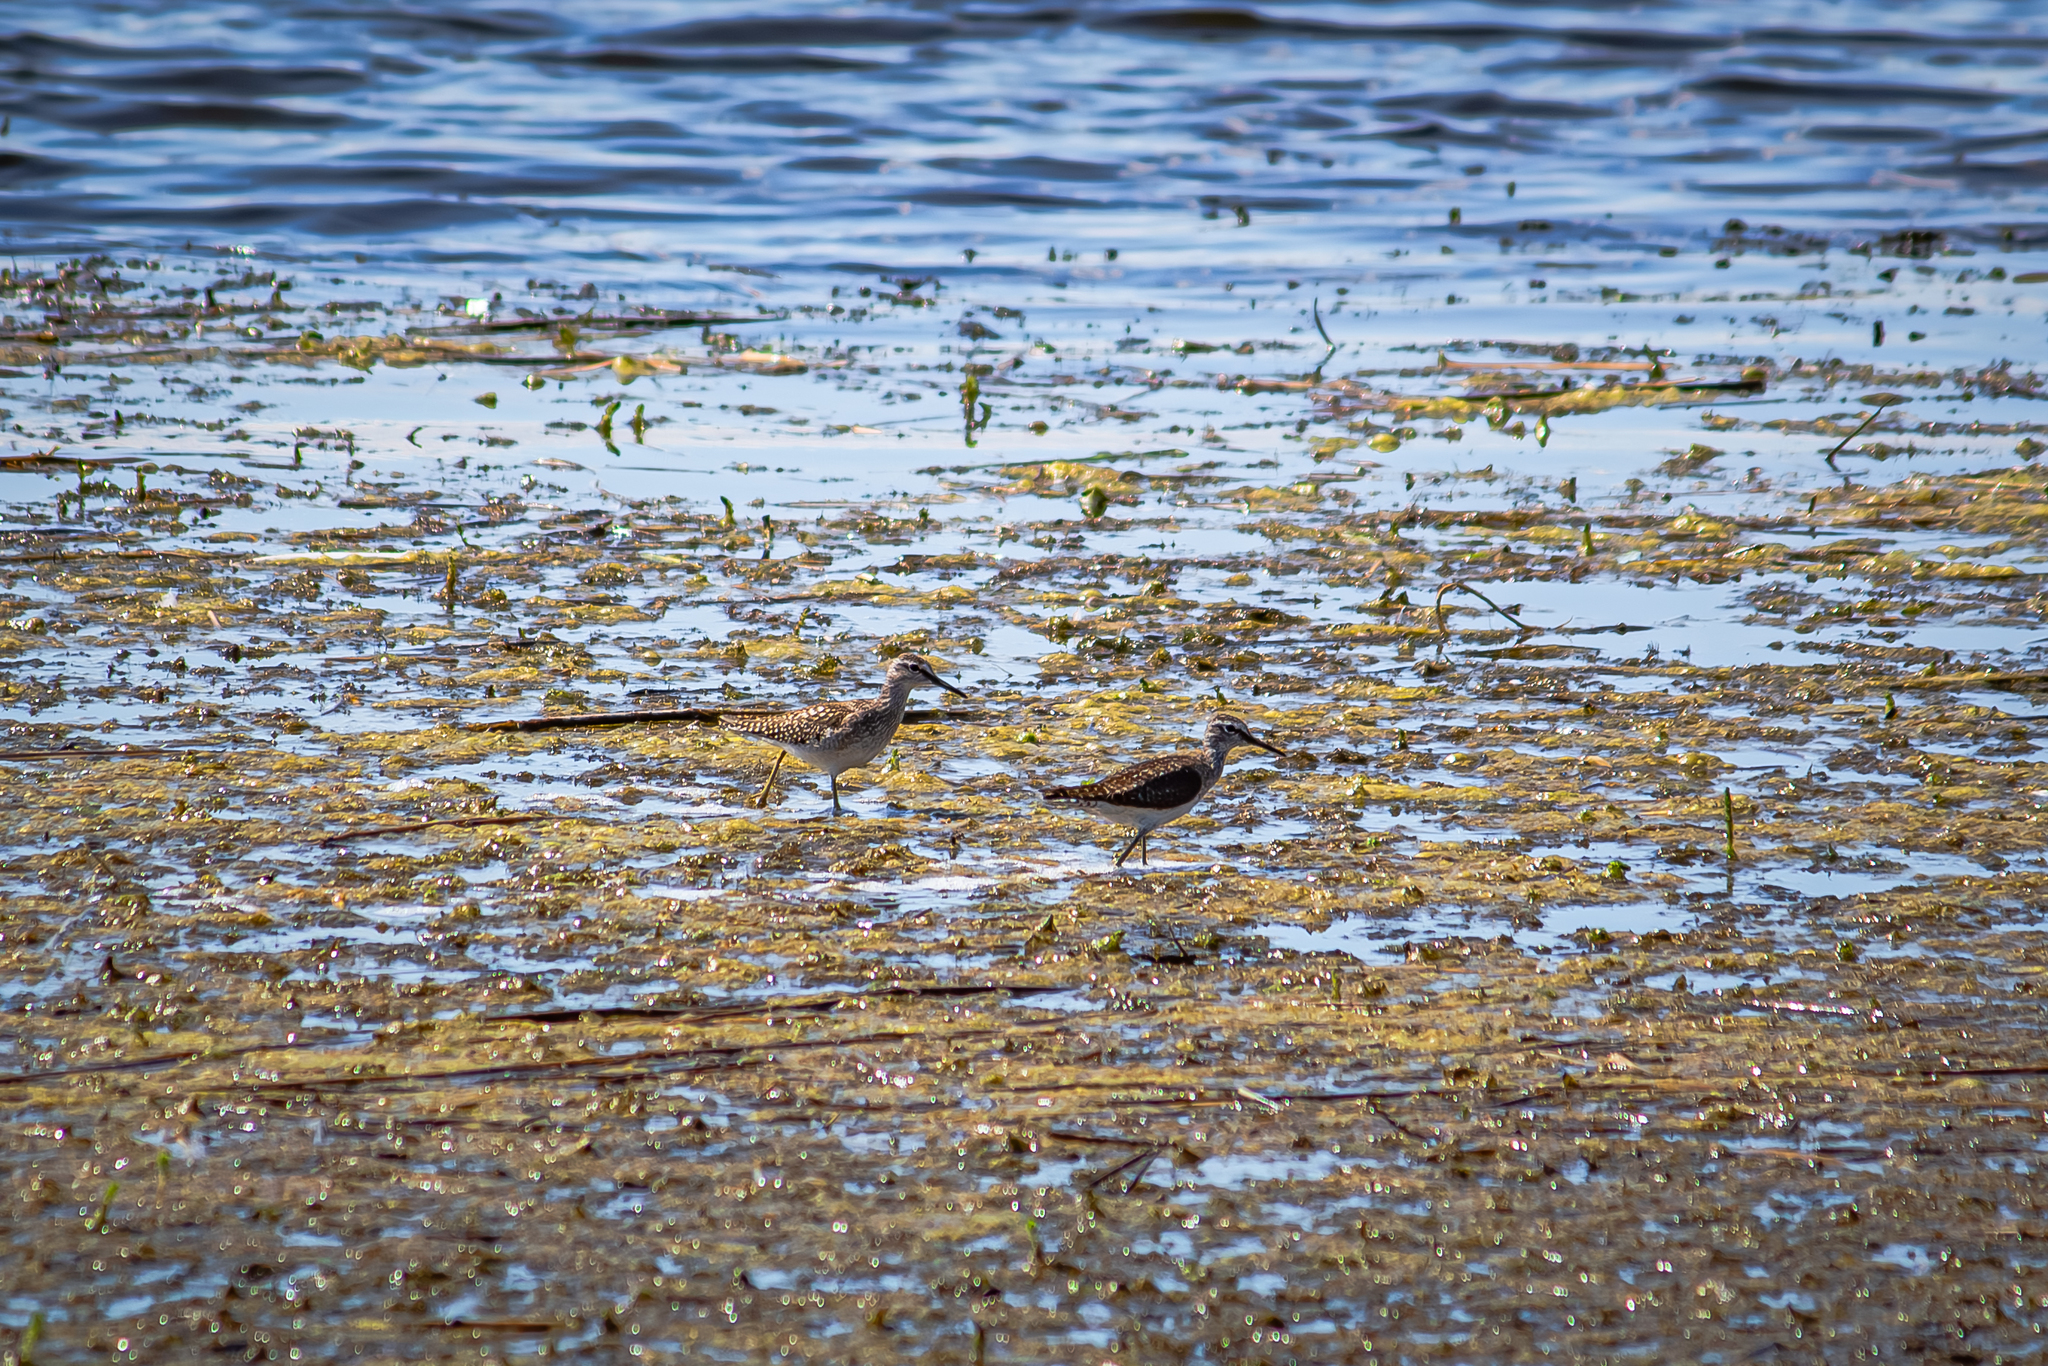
1066,794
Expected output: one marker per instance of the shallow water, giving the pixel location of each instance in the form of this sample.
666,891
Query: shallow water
371,372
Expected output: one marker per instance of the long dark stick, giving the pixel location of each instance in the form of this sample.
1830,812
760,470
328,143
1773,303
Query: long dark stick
520,818
1876,409
1464,587
573,720
1316,312
703,716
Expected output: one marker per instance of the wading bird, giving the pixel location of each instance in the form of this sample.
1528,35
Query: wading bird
836,736
1147,795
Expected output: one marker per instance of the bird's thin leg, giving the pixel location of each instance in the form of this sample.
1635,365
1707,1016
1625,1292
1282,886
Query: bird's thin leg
761,799
1128,847
835,795
1145,848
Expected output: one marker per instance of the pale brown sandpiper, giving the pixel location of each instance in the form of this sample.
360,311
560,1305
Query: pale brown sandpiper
837,736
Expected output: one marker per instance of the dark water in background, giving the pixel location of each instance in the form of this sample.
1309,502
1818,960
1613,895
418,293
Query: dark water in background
641,144
1126,177
1097,184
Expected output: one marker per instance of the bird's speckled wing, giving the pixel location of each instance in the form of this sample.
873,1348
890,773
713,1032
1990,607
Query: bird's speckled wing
803,726
1154,785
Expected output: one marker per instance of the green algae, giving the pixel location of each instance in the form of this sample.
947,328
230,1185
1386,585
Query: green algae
328,1022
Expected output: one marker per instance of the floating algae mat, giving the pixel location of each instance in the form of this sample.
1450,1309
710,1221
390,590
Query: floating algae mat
1635,954
1637,951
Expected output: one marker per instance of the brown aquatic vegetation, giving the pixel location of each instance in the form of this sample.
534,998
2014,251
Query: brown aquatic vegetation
375,1061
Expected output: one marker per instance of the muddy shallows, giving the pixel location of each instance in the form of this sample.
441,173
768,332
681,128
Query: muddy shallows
1635,956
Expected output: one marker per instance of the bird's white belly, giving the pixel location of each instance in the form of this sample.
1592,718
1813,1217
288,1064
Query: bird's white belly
1139,819
837,761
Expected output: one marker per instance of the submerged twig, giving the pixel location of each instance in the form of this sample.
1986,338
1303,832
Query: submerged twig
2004,682
2030,1069
1100,457
517,818
168,1060
1372,1107
1443,362
1484,396
574,720
637,1066
122,1065
1271,1107
1620,628
1816,1008
1316,313
674,1015
1879,402
37,458
703,716
643,322
1140,1162
1463,587
1069,1136
1205,1096
138,752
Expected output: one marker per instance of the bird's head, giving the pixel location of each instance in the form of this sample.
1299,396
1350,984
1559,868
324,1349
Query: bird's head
915,671
1226,733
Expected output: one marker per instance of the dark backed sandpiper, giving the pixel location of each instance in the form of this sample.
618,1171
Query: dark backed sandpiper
1147,795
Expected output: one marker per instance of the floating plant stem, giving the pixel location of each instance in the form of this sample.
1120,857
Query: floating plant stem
24,1354
1878,402
1443,628
1316,313
98,1222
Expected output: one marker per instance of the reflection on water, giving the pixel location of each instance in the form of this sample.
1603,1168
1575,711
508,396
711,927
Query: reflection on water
366,371
1555,929
651,143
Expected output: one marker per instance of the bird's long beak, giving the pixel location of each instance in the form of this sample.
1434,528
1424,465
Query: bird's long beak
947,686
1269,748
